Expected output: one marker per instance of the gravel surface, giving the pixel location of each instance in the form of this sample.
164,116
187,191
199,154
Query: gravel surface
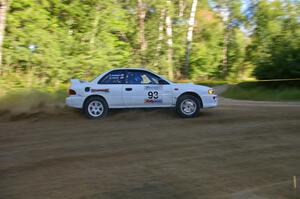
240,150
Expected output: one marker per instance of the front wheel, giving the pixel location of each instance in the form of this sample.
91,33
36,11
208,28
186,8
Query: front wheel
188,106
95,108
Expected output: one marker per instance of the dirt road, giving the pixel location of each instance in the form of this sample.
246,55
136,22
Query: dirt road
241,150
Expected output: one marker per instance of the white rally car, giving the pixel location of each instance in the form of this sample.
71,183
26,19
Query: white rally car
137,88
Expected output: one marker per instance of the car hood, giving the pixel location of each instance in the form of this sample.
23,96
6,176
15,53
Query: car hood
191,86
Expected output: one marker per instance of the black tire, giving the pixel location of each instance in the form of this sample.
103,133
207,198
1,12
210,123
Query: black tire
97,100
182,99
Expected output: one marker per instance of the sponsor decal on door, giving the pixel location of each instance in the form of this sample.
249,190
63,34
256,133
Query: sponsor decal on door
153,87
153,98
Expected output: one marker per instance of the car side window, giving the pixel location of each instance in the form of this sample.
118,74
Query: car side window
141,77
114,77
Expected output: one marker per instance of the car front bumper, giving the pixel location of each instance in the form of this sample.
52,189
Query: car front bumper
209,101
75,101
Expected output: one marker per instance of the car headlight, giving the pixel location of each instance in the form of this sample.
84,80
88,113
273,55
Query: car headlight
211,91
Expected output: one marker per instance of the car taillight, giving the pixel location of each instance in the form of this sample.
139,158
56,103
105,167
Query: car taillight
72,92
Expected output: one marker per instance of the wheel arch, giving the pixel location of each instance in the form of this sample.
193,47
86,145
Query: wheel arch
193,94
95,96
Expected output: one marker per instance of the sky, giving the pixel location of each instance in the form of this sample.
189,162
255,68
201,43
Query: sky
224,13
246,4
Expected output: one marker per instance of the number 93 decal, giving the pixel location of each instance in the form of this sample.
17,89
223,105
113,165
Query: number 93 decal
153,98
152,95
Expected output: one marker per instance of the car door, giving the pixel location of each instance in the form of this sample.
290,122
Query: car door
144,89
110,87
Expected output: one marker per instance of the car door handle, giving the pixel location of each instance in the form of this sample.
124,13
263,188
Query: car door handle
128,89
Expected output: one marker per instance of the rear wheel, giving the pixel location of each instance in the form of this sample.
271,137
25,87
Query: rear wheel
95,108
188,106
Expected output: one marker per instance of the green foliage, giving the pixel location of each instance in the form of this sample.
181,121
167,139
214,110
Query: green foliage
206,51
270,90
57,40
275,47
48,42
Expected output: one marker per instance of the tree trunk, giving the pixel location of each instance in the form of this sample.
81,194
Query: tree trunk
190,37
225,52
3,11
143,44
169,41
181,8
160,36
95,27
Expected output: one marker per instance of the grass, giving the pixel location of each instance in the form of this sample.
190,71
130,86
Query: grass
265,91
30,101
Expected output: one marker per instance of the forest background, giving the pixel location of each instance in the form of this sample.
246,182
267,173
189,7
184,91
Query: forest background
45,43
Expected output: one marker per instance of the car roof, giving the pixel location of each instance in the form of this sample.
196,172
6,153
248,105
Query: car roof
141,69
130,69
